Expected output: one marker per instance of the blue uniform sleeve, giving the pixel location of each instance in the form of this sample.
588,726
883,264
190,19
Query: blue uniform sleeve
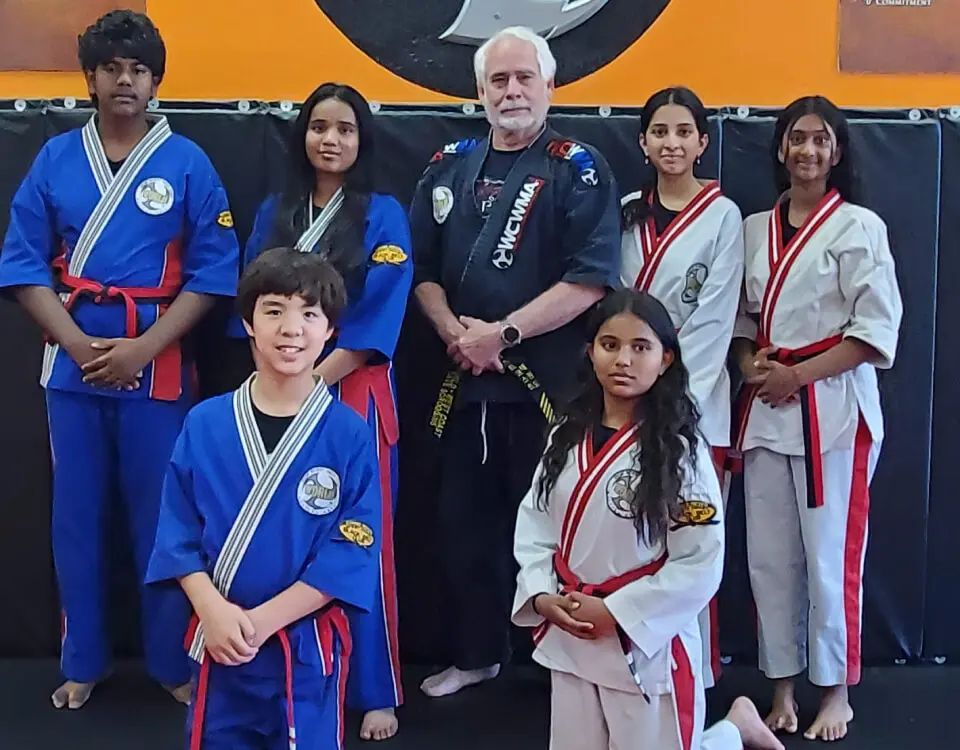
31,236
424,230
262,225
177,549
372,322
211,250
256,244
591,236
345,564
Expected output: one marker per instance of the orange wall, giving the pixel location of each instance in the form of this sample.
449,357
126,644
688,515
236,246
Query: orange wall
758,52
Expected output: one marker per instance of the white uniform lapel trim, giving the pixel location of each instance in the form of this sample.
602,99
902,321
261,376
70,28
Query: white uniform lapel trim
320,225
112,190
265,482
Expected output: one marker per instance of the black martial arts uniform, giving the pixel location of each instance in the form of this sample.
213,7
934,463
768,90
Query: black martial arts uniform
496,229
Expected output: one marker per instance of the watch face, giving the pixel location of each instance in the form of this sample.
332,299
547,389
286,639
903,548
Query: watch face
511,334
431,42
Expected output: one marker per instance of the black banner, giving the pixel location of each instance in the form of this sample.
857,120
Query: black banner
911,563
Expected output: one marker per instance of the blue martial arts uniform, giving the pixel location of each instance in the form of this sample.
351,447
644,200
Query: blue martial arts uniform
257,523
118,248
377,299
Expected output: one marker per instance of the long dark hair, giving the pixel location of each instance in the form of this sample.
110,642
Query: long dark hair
343,243
667,416
637,210
844,175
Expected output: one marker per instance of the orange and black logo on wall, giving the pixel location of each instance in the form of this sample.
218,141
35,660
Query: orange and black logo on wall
431,42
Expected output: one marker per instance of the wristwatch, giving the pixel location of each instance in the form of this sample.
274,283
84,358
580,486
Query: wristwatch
509,334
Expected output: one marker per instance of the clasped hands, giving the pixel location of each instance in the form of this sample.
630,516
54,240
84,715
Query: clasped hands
778,382
475,345
582,616
111,363
233,635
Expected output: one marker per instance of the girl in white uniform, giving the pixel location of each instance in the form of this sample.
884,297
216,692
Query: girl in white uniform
683,243
620,545
821,312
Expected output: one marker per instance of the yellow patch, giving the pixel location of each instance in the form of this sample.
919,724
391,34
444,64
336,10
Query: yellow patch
356,532
389,254
696,512
225,219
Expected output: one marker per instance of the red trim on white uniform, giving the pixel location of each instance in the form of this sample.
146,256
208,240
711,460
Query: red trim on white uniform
597,466
654,248
856,538
784,257
684,693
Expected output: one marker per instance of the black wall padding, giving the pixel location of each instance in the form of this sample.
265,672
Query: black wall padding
912,559
942,612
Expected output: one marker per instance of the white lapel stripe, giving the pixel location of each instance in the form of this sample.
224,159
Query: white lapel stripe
785,262
317,227
585,488
110,200
262,492
96,157
290,444
250,439
112,189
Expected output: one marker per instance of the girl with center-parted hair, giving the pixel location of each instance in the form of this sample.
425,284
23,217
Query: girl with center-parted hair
329,206
620,544
821,312
683,243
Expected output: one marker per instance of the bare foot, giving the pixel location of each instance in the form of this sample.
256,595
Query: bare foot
379,724
183,693
753,732
783,714
450,680
72,694
835,714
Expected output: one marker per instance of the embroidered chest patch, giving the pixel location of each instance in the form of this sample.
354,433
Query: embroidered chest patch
619,491
154,196
319,491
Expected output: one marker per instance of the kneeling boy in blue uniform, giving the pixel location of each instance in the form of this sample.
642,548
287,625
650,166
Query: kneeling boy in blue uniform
270,522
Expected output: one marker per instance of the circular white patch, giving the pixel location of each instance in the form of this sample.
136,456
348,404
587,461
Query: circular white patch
442,203
319,491
620,489
155,196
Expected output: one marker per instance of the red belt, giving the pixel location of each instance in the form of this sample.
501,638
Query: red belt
167,365
569,582
808,412
328,621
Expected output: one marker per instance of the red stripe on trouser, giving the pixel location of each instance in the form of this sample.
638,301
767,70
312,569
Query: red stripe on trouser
330,619
288,670
200,699
342,624
857,513
684,693
200,704
355,391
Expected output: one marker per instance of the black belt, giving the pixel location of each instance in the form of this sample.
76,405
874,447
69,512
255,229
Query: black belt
451,381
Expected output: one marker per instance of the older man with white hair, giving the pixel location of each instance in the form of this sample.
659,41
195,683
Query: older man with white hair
514,237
